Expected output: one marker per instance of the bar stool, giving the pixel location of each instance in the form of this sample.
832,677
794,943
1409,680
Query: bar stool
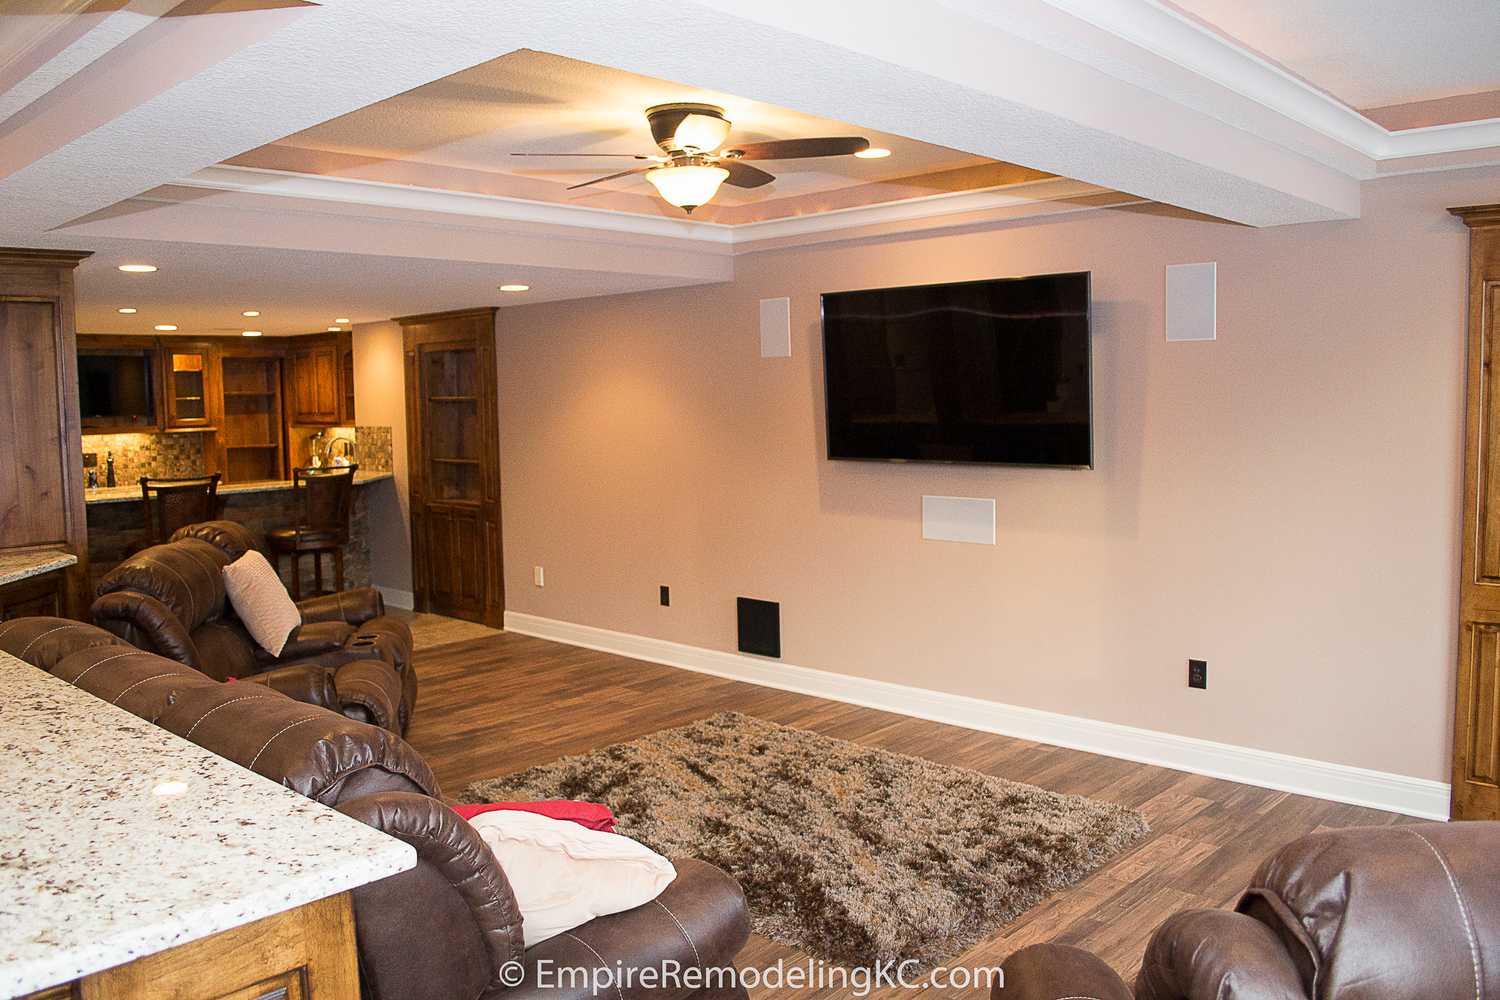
170,504
327,495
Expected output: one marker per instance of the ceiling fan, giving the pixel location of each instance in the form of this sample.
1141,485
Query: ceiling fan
697,161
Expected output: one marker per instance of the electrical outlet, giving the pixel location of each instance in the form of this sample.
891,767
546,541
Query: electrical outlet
666,596
1197,673
538,576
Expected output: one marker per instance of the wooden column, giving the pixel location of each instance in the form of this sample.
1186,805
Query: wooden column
41,464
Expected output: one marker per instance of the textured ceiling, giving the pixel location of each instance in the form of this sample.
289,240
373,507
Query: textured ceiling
1369,53
531,101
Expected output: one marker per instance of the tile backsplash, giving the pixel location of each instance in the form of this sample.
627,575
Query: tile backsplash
143,454
373,446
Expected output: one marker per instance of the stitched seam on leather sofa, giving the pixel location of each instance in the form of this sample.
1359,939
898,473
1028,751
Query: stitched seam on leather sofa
696,957
1463,911
188,590
44,635
211,711
91,666
144,680
600,957
290,725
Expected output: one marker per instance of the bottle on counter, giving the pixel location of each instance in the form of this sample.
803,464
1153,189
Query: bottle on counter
93,479
109,468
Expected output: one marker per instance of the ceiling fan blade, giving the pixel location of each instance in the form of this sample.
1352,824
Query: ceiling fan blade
609,177
631,156
744,175
798,149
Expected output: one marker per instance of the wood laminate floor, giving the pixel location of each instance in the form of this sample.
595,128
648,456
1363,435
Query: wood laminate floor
500,702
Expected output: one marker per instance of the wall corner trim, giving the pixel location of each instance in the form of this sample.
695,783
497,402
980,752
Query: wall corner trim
1264,768
403,599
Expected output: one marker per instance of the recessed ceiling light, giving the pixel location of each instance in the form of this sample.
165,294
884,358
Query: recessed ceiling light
166,327
250,333
334,329
342,319
873,153
125,311
515,288
138,268
250,313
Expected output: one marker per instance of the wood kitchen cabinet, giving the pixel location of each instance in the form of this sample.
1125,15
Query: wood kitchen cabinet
190,376
316,397
346,378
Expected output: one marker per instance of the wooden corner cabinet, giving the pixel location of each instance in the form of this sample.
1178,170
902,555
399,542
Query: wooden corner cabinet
453,458
1476,723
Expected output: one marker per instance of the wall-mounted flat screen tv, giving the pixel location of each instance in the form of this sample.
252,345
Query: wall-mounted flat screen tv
993,372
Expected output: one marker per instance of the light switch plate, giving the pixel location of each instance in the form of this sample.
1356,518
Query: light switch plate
1192,301
958,519
775,328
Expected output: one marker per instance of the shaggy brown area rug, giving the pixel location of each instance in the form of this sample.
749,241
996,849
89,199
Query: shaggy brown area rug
854,854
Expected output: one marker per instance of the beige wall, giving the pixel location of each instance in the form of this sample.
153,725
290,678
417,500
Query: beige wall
1282,502
380,399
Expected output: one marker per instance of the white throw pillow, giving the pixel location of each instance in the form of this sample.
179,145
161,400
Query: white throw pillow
565,875
261,601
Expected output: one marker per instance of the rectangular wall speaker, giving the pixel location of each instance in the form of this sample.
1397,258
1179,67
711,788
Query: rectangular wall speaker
760,626
1192,301
958,519
775,328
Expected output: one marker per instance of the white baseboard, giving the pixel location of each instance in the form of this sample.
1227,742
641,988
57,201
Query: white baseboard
1263,768
404,599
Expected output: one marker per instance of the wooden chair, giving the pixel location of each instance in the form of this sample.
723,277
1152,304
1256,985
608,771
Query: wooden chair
170,504
327,496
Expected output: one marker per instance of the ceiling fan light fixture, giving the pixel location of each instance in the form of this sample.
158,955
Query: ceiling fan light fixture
687,186
700,133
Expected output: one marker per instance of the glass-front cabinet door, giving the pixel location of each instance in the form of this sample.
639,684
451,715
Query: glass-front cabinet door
189,381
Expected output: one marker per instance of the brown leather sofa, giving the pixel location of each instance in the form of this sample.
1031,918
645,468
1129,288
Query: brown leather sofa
346,655
1372,913
446,929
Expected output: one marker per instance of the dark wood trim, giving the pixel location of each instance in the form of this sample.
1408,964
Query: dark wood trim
1477,216
31,257
476,312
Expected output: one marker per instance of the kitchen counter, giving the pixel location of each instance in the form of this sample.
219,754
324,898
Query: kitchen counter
121,494
100,864
21,564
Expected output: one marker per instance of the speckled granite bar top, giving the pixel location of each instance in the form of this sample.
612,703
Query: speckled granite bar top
119,494
100,864
18,564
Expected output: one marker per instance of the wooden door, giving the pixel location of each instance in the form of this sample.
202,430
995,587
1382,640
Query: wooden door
454,464
1476,724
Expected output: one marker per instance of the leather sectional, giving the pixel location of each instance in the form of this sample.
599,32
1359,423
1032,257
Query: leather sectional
449,928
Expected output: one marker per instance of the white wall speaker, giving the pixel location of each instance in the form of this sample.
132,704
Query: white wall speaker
958,519
1192,301
775,328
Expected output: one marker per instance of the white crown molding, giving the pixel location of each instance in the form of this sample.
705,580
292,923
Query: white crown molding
1169,34
1049,196
1263,768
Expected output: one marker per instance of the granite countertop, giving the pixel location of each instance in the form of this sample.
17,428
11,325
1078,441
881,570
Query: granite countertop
121,494
100,864
18,564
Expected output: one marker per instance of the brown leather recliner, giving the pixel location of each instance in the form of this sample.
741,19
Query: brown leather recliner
446,929
346,655
1373,913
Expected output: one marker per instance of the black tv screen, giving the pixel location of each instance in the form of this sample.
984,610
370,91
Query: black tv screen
115,387
990,371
